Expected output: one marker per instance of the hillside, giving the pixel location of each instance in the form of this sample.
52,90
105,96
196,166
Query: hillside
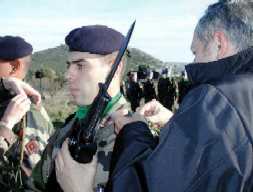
55,58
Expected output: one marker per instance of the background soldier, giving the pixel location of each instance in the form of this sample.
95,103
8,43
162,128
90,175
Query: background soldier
163,87
184,86
149,92
21,142
133,91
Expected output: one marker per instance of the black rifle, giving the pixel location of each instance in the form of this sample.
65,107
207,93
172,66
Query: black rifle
82,143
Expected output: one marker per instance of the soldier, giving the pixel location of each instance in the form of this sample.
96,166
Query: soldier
92,51
133,91
24,127
184,86
165,91
149,88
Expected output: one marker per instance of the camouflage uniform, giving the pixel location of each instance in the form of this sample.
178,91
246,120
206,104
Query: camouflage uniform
36,133
105,138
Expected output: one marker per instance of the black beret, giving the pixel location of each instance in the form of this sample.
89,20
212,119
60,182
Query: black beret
12,48
95,39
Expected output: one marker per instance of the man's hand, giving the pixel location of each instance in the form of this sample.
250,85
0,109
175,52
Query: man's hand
16,109
152,112
73,176
19,87
156,113
122,117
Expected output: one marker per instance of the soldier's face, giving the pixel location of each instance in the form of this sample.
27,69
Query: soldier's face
84,72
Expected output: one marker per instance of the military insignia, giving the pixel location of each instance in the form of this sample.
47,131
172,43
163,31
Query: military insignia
32,147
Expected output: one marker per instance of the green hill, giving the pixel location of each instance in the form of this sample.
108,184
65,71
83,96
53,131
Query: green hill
55,58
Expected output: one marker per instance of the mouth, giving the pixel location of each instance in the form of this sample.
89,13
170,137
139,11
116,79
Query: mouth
73,91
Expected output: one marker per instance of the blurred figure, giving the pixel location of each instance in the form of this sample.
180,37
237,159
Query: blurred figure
149,92
133,91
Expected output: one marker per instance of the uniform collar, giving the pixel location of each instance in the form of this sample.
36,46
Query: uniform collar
83,110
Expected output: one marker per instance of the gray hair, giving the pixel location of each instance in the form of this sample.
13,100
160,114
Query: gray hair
233,17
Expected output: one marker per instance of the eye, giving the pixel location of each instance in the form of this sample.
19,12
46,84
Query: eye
80,67
68,65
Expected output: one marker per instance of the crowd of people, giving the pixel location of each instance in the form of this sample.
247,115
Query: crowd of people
206,145
167,89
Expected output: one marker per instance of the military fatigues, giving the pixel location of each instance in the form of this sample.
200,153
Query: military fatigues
105,138
36,133
134,94
149,90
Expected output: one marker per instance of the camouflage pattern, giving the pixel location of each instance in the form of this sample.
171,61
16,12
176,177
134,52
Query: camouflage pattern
34,140
105,138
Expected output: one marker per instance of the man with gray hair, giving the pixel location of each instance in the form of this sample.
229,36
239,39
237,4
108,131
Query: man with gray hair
207,145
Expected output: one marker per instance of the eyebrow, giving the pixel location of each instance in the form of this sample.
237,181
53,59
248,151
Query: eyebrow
76,61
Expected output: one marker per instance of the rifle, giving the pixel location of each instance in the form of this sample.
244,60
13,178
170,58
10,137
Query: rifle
82,143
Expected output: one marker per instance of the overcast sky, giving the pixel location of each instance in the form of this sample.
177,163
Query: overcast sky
164,28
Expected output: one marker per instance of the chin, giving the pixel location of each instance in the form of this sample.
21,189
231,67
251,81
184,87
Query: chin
81,102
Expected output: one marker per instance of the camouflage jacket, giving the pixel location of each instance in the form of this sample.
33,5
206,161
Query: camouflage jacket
37,130
105,138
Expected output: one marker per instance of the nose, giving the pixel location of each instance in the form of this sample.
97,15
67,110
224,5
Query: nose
70,73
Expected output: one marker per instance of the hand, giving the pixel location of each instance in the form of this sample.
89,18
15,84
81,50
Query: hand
73,176
16,109
156,113
121,118
19,87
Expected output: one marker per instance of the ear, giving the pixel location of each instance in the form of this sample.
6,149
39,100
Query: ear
222,43
120,68
16,65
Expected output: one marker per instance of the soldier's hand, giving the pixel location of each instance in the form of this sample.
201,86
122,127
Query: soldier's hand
16,109
122,117
19,87
73,176
156,113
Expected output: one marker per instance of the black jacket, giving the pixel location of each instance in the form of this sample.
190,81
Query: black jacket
207,144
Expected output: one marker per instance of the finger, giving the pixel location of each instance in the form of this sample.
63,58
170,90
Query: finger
146,108
59,163
66,156
25,106
33,93
19,99
118,114
58,168
19,90
94,161
153,119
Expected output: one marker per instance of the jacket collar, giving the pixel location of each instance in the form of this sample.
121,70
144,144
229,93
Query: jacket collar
240,63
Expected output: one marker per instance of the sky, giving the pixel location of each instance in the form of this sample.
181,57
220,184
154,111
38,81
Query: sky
164,28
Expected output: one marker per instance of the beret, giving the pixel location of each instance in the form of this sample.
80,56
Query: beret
95,39
12,48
